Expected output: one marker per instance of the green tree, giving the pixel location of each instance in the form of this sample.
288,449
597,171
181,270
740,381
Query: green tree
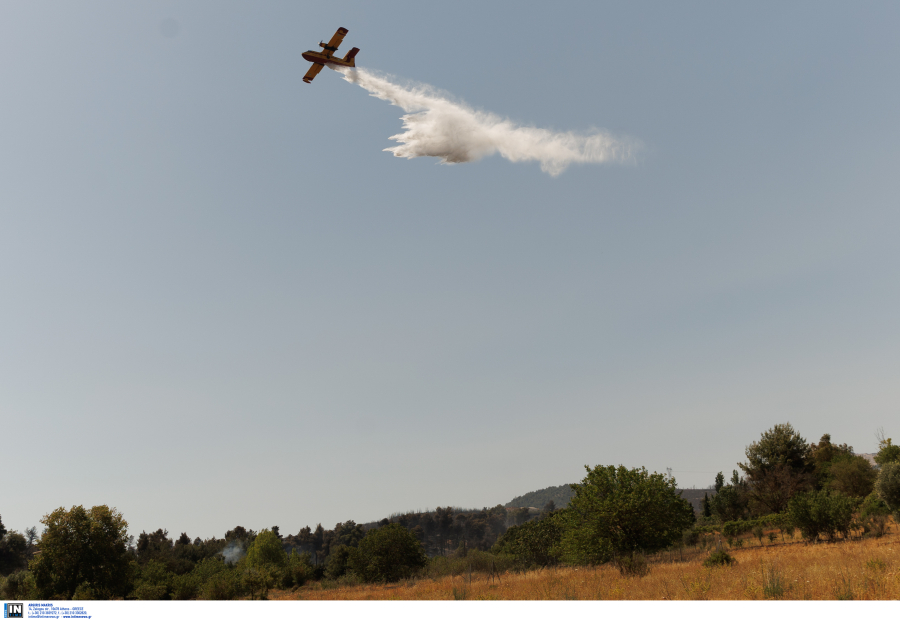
534,543
13,552
824,455
521,515
152,582
888,452
617,511
80,547
337,562
19,585
299,569
730,501
778,467
821,513
887,485
266,550
31,535
853,476
154,546
780,445
389,553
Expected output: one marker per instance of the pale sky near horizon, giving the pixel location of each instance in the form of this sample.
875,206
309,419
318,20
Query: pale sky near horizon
223,304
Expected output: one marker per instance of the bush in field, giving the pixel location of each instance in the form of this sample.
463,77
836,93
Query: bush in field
887,485
634,565
821,513
618,511
534,543
389,553
719,558
873,505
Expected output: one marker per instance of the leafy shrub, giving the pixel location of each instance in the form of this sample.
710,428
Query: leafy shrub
152,582
389,553
887,485
874,525
821,513
336,564
19,585
84,592
736,528
534,543
299,570
873,505
185,587
758,533
634,565
257,580
719,558
876,564
852,476
222,586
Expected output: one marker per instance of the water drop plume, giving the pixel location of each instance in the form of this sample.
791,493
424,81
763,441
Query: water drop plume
437,126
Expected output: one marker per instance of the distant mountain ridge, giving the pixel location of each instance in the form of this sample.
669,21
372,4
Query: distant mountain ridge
537,499
563,493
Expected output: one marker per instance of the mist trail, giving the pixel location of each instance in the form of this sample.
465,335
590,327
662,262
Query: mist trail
436,126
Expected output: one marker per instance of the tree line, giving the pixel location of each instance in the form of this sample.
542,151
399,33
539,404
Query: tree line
615,514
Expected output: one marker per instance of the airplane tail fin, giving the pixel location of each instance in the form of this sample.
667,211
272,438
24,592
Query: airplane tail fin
351,55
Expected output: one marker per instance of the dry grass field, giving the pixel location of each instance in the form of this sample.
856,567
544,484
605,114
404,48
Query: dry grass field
867,569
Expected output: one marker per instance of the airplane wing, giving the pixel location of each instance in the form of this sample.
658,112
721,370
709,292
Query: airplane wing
337,38
313,72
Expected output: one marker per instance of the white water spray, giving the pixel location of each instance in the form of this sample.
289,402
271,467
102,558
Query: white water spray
436,126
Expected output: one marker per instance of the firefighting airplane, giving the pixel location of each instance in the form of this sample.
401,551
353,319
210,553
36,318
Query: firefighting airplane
326,56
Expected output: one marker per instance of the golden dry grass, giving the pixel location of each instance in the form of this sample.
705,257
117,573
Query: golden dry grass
859,569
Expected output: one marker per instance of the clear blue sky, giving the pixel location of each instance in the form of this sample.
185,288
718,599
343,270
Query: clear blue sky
223,303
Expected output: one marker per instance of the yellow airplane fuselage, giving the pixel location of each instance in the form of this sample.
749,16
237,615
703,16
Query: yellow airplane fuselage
321,59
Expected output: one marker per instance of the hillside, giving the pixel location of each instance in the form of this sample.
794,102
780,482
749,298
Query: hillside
537,499
563,493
